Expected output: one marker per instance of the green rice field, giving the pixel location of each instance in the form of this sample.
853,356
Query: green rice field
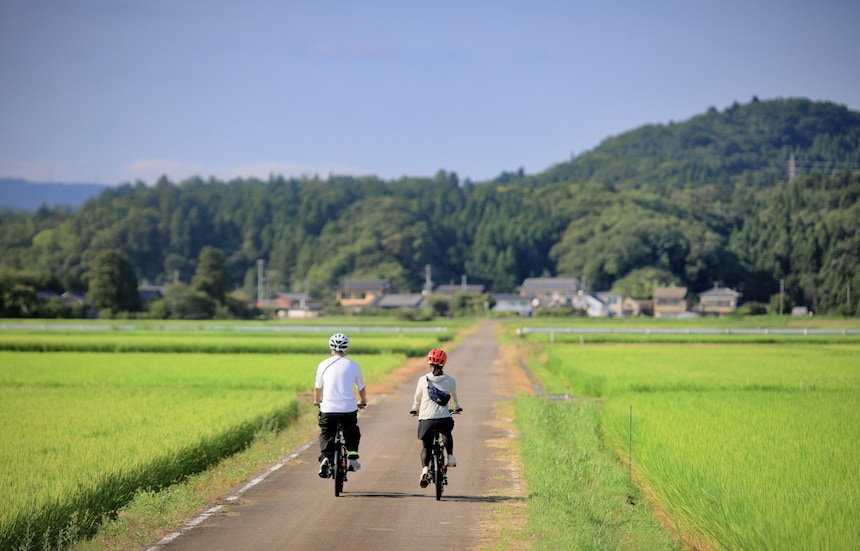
90,420
744,446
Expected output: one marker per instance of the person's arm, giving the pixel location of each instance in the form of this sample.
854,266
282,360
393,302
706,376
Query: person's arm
318,394
363,395
416,401
454,398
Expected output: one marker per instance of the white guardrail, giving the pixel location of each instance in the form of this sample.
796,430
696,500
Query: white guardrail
687,331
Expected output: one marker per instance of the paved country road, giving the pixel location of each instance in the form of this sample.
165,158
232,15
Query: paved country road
382,506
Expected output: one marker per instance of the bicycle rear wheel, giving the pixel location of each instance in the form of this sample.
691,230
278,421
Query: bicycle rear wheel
339,471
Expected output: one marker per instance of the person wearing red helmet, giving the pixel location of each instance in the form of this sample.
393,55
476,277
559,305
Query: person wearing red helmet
435,400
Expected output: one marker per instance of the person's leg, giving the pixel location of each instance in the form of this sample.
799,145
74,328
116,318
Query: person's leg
446,427
447,430
351,433
328,427
425,451
426,437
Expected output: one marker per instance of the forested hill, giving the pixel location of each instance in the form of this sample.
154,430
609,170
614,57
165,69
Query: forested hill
752,142
697,203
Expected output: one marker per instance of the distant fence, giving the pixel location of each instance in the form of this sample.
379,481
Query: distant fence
685,331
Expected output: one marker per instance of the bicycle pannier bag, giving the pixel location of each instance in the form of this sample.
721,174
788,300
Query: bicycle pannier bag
437,395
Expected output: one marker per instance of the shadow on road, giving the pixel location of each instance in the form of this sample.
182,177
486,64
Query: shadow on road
446,497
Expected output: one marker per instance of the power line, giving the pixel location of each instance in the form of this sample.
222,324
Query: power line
795,166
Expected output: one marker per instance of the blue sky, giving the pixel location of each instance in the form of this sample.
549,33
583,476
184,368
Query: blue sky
113,91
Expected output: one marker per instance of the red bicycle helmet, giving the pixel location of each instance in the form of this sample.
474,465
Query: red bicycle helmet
437,357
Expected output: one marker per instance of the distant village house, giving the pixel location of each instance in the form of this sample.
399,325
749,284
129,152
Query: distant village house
718,301
670,302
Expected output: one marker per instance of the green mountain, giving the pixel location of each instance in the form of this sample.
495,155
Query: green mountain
746,197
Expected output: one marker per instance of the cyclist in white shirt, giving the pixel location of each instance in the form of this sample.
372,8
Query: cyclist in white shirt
335,380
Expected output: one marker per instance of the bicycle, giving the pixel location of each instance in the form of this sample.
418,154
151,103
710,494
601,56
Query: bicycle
340,460
437,473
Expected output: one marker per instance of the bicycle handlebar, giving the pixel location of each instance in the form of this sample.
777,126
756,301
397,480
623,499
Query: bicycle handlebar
361,405
457,411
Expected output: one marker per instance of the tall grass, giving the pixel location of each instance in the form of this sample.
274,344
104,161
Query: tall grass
751,469
71,457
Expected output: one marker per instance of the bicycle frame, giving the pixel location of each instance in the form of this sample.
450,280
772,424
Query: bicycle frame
340,461
438,471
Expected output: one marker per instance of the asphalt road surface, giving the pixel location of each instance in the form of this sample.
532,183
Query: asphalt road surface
382,506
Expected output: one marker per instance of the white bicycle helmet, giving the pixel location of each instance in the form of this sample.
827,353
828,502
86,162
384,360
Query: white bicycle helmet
339,342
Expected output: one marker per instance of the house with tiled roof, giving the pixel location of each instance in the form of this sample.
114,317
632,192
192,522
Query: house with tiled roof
400,301
718,301
670,302
361,293
552,292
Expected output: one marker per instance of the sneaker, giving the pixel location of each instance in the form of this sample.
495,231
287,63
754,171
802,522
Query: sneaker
324,468
452,461
354,465
425,477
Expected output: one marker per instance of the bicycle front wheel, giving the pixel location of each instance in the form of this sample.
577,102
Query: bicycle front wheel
438,474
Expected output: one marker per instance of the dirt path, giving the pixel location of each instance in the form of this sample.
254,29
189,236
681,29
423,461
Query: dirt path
382,506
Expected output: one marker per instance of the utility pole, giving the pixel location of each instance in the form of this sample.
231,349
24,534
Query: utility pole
428,281
792,168
260,265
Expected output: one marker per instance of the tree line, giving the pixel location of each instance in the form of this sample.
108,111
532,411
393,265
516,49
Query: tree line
700,203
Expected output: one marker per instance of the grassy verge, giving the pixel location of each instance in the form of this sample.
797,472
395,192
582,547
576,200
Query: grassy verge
566,488
152,515
580,496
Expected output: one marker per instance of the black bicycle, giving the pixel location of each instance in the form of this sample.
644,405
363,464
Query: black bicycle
437,473
340,461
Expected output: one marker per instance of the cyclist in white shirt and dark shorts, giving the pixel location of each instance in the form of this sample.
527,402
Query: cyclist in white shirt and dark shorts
336,377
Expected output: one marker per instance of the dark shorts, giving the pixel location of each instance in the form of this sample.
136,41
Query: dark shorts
425,426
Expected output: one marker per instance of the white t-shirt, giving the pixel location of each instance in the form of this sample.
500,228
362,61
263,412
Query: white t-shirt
337,376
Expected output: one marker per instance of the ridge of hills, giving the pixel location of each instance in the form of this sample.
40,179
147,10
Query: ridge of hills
753,139
746,197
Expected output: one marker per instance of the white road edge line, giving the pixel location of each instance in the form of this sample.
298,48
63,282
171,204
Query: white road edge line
212,510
